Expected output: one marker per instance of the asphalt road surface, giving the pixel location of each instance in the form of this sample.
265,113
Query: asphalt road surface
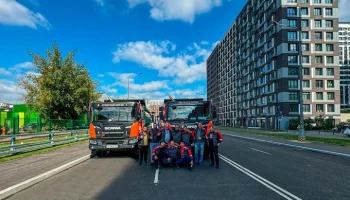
248,170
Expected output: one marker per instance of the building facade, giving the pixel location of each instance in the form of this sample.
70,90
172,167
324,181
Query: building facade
344,61
258,62
153,106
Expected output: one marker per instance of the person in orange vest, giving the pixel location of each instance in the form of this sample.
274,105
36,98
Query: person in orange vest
3,130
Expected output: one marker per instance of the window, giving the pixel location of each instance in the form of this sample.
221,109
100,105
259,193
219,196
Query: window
306,107
319,107
305,59
318,71
292,47
318,59
305,47
330,95
330,71
317,11
292,35
330,83
291,11
329,1
292,59
292,71
306,96
329,36
305,35
293,108
318,35
330,60
317,23
293,83
318,47
306,71
319,83
329,23
306,83
304,11
293,96
319,95
330,108
317,1
329,11
304,1
329,47
304,23
292,23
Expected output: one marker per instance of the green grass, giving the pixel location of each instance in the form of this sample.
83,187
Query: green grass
31,153
46,138
331,141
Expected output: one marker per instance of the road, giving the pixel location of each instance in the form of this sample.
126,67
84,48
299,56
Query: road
274,173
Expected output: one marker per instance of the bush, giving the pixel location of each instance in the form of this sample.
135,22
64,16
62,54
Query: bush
328,124
293,123
308,123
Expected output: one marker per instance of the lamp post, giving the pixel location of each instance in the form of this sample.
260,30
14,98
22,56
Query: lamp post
301,135
129,83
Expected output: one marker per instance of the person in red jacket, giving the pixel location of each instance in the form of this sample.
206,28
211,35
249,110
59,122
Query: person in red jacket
214,139
186,157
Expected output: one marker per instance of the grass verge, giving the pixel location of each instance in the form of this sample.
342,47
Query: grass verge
31,153
331,141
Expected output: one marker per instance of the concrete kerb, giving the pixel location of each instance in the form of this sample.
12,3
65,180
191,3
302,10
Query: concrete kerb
292,146
30,182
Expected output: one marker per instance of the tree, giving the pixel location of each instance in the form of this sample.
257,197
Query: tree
308,123
59,88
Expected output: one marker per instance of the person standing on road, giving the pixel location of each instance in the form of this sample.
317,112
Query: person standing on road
186,157
159,155
214,139
166,134
199,141
155,137
172,152
143,144
187,137
176,134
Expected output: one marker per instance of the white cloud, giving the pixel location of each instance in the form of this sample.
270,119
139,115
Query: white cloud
101,75
100,2
186,67
4,72
22,66
34,2
109,89
344,14
9,92
14,13
185,10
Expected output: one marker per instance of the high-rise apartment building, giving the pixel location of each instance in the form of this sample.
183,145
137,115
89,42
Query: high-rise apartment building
256,64
344,61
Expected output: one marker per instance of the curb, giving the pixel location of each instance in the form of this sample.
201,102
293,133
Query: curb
30,182
292,146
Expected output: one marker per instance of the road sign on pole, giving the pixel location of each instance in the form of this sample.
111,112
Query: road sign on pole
280,117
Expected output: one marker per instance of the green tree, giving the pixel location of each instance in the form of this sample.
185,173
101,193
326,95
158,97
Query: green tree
59,88
308,123
293,123
320,121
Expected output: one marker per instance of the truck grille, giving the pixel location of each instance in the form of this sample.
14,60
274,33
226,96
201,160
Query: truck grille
113,135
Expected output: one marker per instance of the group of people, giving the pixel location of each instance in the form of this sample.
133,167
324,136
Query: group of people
175,147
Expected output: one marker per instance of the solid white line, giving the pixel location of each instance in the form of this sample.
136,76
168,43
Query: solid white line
156,176
261,179
291,145
260,151
25,184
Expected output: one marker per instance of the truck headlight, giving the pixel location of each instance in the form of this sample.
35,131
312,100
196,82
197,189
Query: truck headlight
133,141
128,127
93,141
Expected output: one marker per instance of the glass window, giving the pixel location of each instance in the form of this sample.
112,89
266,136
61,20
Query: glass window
319,107
305,35
317,1
304,1
306,71
318,23
305,47
317,11
330,95
329,1
293,108
318,59
330,71
329,36
330,59
293,96
319,95
318,35
318,47
329,47
306,96
304,23
293,83
319,83
329,23
292,59
292,47
329,11
292,35
291,11
318,71
304,11
330,83
292,23
330,108
306,107
306,83
305,59
292,71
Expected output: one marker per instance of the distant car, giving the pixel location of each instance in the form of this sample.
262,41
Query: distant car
30,126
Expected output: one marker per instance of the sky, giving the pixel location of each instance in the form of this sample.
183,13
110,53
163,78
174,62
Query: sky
159,46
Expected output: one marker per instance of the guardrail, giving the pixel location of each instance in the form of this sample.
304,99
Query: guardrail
51,141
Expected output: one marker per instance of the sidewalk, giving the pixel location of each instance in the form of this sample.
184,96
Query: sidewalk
17,171
327,147
321,134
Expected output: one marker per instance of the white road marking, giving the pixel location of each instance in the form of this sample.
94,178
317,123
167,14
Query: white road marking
156,176
260,151
268,184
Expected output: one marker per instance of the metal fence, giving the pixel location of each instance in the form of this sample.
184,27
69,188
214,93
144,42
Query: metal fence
21,143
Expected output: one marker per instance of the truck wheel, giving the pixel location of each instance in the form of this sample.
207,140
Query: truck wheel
99,154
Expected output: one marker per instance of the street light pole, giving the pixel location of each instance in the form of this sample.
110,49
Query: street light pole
301,134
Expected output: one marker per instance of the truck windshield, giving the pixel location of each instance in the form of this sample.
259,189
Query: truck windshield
114,113
189,113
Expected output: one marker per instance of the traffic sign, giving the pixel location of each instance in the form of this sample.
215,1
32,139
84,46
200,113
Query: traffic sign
280,117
